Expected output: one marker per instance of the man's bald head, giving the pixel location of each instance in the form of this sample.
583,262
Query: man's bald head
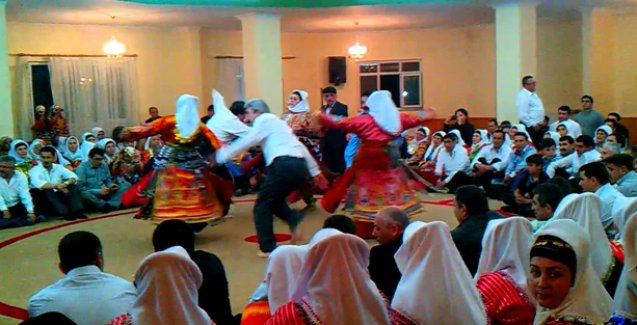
389,224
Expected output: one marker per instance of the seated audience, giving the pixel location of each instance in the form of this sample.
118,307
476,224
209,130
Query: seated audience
451,165
172,273
516,163
323,293
564,118
601,134
520,201
548,152
563,166
594,178
340,222
209,114
214,296
562,281
5,145
460,121
489,164
19,150
87,294
479,141
471,209
492,126
431,154
619,128
436,288
625,304
609,149
589,119
127,166
110,149
389,225
72,151
54,191
417,147
546,199
16,204
619,139
622,174
97,188
502,272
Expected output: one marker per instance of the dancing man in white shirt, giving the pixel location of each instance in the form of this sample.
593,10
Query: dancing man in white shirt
288,163
530,109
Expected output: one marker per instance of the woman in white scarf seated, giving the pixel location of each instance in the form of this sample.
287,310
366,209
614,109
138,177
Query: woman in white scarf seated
88,142
503,272
417,147
167,291
562,280
625,304
480,140
98,133
585,209
436,286
110,149
72,151
34,152
461,141
282,270
623,208
601,134
334,287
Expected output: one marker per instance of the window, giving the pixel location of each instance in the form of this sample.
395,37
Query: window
41,85
401,77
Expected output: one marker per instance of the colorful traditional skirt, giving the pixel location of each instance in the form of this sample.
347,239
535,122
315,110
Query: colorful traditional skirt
375,180
182,187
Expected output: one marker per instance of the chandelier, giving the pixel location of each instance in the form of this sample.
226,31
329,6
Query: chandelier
114,48
357,51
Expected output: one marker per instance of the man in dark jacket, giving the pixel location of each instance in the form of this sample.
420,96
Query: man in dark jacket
471,208
333,142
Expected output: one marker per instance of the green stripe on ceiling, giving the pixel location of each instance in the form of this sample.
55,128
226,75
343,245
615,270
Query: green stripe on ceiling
287,3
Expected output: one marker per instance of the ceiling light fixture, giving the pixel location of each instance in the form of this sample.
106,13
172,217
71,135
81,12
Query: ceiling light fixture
114,48
357,51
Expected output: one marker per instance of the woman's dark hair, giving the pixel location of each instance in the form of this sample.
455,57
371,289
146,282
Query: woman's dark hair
463,111
238,107
298,94
341,222
117,131
557,250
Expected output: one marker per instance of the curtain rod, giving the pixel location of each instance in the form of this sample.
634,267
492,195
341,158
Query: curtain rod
71,55
241,57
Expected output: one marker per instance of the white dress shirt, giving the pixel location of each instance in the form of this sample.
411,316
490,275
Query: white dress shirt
489,153
15,191
573,128
530,108
86,295
227,129
573,162
38,175
276,139
451,162
607,193
588,157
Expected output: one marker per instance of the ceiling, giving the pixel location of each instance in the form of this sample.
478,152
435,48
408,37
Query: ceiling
428,14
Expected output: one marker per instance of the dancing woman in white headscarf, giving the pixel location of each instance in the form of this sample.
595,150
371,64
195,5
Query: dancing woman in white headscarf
376,179
182,187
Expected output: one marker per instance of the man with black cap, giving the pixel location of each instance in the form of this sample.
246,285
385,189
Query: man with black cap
334,142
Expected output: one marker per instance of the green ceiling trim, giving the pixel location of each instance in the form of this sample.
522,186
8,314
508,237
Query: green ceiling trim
286,3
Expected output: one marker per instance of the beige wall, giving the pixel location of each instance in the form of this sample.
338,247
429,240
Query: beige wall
626,66
164,66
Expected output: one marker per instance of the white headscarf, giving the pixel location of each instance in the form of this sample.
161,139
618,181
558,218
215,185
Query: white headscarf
302,106
281,273
484,139
384,111
585,209
33,146
335,282
436,286
431,147
167,290
97,130
625,304
225,125
623,208
186,117
522,128
604,128
86,146
587,297
13,153
458,135
506,247
70,155
413,145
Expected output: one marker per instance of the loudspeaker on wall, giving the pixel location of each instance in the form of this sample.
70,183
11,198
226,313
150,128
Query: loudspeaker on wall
337,68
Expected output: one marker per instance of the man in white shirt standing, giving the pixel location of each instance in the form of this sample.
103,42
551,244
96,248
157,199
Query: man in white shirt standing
530,109
54,189
16,206
452,164
564,117
594,178
87,295
289,165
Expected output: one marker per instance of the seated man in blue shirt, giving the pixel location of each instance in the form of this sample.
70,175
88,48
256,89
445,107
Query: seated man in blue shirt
97,188
86,294
622,174
516,164
594,178
519,202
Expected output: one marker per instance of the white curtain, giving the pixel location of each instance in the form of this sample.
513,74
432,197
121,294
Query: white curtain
23,105
95,92
230,79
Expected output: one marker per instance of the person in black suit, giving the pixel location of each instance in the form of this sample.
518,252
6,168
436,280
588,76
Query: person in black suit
389,225
471,209
333,142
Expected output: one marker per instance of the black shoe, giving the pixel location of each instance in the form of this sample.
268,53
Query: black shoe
81,216
69,217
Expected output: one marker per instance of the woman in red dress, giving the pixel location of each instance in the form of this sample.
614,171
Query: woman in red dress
376,178
562,281
503,272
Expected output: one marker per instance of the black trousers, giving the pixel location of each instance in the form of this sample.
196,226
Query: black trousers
18,216
459,179
537,134
55,203
284,176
